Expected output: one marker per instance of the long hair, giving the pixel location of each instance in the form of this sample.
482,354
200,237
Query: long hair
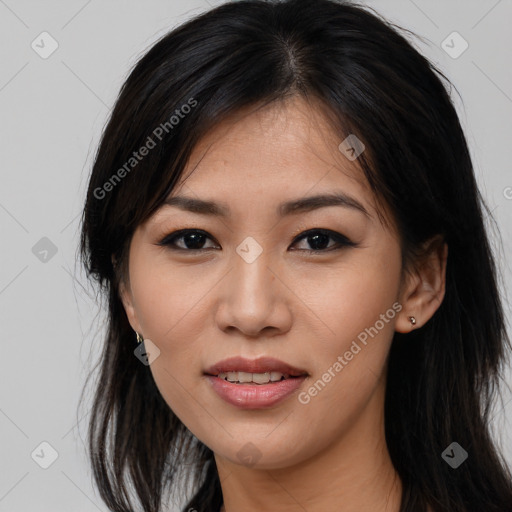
371,82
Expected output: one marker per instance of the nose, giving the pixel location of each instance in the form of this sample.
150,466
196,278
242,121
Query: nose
254,300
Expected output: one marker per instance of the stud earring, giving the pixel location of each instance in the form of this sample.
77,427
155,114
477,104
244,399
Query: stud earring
140,339
412,320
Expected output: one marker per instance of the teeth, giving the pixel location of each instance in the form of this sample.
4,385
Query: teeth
257,378
244,377
261,378
275,376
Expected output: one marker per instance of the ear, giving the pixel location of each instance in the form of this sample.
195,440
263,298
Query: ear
423,288
126,297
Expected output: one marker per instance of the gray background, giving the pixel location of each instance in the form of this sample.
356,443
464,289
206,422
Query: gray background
52,112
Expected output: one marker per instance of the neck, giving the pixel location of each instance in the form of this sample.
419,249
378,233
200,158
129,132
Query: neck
353,473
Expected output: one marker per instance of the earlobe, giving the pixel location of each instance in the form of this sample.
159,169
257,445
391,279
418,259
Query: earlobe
424,289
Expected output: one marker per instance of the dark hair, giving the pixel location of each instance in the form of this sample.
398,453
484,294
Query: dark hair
371,82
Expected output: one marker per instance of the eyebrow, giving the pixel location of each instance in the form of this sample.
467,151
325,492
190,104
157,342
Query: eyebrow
296,206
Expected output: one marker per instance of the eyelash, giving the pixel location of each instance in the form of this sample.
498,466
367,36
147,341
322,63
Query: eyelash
342,241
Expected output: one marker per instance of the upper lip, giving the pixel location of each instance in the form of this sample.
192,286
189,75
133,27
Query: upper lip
260,365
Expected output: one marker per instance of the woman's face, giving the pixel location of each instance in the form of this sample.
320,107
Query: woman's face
250,285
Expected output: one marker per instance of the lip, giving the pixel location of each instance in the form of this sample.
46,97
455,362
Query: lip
255,396
260,365
250,395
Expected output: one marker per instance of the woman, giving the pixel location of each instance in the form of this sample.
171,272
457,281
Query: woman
303,306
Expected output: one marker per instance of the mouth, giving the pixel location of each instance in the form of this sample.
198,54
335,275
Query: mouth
254,384
254,378
256,371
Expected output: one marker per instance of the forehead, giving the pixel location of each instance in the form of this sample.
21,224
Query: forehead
287,139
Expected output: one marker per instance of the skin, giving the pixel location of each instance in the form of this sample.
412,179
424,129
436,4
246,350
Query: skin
305,309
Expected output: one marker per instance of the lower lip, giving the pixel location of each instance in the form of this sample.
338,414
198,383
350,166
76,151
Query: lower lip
255,396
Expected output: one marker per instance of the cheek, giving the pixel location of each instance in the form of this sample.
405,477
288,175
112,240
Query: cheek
352,297
167,306
168,318
358,306
167,297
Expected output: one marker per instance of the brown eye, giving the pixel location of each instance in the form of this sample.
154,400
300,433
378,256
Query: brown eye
319,240
192,240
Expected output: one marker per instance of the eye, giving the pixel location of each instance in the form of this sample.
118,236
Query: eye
318,238
194,240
